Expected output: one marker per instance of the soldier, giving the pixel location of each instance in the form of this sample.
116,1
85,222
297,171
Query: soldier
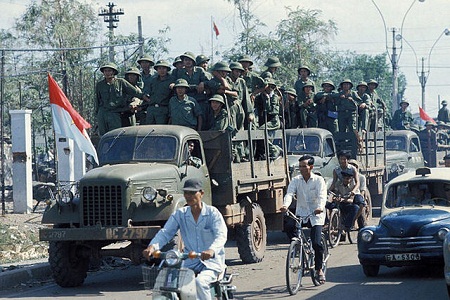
238,85
444,112
184,110
196,77
326,107
377,109
255,84
308,116
146,62
402,118
110,98
428,143
363,106
291,110
347,104
220,114
178,65
132,75
203,61
160,93
272,64
303,72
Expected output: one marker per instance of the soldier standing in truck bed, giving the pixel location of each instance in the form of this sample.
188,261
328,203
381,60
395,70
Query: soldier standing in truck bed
347,106
255,84
308,115
304,72
132,75
272,64
326,107
402,118
184,110
444,112
363,106
291,110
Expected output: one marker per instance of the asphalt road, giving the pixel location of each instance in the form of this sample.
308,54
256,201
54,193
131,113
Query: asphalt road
266,280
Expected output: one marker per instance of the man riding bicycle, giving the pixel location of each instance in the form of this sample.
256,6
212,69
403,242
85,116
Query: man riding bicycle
311,193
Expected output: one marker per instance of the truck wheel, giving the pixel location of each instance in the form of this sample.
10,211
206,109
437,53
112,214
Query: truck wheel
251,238
68,268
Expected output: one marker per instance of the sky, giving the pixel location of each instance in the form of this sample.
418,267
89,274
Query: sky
360,29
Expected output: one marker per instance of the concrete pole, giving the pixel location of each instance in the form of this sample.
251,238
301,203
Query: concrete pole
22,167
65,152
395,103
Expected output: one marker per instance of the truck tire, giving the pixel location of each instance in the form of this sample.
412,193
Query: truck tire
68,269
251,238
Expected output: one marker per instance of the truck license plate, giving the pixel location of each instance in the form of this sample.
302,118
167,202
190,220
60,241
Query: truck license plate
403,257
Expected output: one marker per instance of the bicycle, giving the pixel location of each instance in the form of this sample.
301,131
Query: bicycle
337,219
300,258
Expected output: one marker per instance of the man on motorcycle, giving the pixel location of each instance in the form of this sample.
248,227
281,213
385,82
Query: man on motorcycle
203,230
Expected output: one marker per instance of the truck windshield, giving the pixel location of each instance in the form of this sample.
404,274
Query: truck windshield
303,144
396,143
423,193
128,149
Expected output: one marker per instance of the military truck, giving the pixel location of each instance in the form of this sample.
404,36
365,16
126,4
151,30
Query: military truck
123,202
403,153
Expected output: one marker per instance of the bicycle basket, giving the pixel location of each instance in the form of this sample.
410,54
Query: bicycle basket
149,274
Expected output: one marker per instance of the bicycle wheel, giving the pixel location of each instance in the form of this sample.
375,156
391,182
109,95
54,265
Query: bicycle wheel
294,267
333,233
352,235
326,254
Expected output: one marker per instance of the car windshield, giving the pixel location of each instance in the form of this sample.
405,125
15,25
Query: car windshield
396,143
142,148
303,144
418,194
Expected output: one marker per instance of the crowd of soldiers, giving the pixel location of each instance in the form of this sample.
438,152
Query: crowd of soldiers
233,97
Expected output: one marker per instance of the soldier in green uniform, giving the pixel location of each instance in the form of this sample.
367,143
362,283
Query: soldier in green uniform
444,112
160,92
220,114
178,65
291,110
196,78
203,61
428,143
363,106
377,115
238,85
184,110
272,64
146,63
326,107
132,75
304,72
347,106
255,84
308,115
110,100
402,118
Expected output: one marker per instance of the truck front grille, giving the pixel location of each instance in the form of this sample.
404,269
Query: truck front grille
102,205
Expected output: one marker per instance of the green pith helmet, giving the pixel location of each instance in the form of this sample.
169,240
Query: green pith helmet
133,70
308,84
201,59
429,123
245,58
146,57
330,83
373,81
218,98
346,81
404,101
444,102
362,83
236,65
177,60
273,62
221,66
181,83
291,92
270,81
304,67
189,55
162,63
110,65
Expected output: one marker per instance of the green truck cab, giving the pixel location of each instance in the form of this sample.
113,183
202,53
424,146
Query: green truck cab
121,204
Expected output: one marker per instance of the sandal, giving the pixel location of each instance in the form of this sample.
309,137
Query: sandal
321,279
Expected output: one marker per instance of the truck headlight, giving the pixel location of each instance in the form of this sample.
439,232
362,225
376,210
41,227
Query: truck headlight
149,194
65,197
442,233
367,236
394,168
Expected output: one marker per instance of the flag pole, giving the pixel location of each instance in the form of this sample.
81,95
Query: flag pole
212,40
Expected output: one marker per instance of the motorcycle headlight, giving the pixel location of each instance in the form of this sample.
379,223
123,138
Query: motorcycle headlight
149,194
394,168
367,236
442,233
172,258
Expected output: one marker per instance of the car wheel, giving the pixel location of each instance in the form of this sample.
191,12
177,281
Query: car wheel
371,270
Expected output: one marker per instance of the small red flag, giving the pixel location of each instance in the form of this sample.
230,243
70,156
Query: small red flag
424,116
216,30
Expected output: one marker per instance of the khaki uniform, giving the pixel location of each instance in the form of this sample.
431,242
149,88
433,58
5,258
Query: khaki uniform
298,86
184,112
326,111
347,110
401,119
160,94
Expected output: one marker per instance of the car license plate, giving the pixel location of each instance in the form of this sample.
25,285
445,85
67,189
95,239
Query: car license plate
403,257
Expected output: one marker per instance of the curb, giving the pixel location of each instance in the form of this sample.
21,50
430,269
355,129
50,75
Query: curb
23,274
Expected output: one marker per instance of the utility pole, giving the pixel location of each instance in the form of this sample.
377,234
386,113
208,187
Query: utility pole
395,103
111,16
141,39
423,82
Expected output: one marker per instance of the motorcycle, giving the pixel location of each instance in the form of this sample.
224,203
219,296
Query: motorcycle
176,282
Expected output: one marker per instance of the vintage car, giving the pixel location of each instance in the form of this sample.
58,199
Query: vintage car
415,218
447,262
403,153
